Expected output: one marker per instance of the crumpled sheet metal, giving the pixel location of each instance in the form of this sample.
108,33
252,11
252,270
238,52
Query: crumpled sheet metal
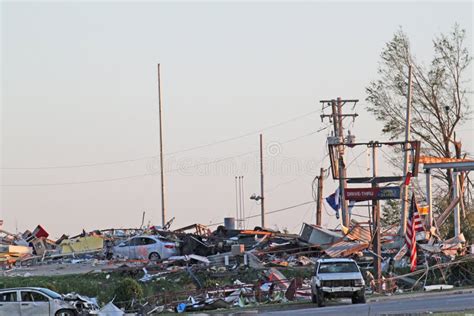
345,248
359,233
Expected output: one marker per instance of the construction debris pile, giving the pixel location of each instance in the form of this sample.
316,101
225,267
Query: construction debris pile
195,250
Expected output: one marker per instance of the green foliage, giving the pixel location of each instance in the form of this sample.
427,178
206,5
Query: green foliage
128,289
440,93
390,213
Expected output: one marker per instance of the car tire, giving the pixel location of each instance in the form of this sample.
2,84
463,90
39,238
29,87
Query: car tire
314,299
65,312
154,256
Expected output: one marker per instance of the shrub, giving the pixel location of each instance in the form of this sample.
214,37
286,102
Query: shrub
127,290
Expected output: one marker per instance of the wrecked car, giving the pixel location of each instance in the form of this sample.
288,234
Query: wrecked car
338,277
32,301
146,247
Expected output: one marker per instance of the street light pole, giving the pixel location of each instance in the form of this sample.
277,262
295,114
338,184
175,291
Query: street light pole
262,203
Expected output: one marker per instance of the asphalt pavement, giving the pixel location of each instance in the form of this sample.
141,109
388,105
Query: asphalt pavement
394,306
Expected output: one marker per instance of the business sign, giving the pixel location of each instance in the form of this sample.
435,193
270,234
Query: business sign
364,194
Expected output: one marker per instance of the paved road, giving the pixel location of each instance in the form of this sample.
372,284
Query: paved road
392,306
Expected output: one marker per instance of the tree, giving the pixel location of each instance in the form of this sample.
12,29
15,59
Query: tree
440,100
439,93
390,213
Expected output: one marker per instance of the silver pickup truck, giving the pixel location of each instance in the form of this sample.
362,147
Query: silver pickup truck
338,277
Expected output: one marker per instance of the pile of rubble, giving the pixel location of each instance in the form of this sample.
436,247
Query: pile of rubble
194,249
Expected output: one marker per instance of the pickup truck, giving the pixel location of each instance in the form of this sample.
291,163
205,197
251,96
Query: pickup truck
337,277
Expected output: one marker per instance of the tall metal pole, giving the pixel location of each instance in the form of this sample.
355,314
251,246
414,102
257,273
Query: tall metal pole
262,202
376,224
243,202
319,206
457,215
429,198
237,199
163,212
404,212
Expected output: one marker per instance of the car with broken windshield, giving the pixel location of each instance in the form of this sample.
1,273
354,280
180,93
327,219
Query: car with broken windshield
337,277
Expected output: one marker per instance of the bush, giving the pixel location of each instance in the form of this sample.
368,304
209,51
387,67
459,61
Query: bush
127,290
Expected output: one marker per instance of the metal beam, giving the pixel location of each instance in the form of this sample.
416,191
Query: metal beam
457,217
459,166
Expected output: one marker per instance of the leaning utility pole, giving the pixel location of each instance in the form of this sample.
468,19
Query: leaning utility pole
262,202
319,206
403,214
376,221
163,213
339,167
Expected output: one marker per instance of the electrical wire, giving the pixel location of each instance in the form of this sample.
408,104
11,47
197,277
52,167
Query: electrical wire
271,212
166,154
149,173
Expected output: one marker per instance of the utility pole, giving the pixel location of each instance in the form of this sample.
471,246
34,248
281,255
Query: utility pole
339,167
163,212
237,200
262,202
242,214
342,167
404,212
319,206
376,221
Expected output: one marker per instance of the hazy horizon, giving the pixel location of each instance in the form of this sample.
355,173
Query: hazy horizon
80,107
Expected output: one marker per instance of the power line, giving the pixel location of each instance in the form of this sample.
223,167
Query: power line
271,212
149,173
166,154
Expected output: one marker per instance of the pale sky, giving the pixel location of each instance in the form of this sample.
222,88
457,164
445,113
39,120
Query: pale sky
79,88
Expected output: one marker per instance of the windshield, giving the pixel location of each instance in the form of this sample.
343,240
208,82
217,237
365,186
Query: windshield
338,267
50,293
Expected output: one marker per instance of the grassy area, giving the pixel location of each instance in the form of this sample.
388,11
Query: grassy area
100,285
104,285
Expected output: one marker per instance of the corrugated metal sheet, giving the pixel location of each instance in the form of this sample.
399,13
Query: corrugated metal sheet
359,233
345,248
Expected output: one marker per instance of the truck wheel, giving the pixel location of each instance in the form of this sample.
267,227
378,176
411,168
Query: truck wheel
320,298
314,299
358,298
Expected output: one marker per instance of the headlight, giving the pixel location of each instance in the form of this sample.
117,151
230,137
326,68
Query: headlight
359,282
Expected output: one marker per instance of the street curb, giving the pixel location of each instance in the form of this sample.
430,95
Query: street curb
420,294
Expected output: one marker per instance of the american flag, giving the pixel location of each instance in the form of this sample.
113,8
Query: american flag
414,225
